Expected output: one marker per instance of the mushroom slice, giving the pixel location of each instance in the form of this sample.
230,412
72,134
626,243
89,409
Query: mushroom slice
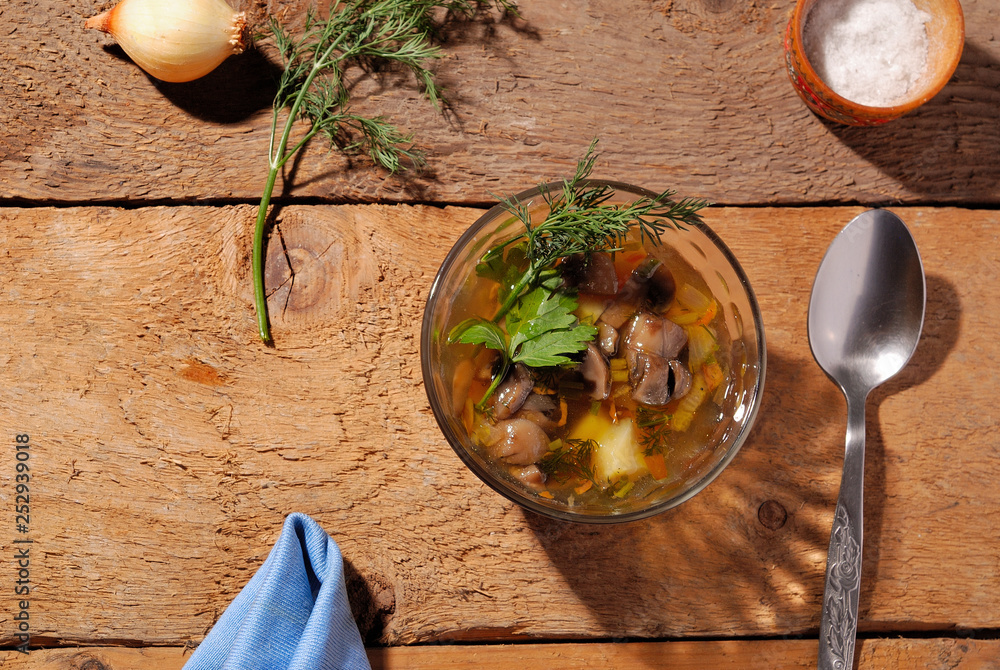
529,475
512,392
626,303
632,294
485,362
541,409
607,337
596,372
656,381
662,288
592,273
651,334
683,379
518,441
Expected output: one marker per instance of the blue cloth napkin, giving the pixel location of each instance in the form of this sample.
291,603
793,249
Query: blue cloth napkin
293,614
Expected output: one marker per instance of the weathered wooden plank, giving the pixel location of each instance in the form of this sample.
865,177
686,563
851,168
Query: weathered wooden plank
689,94
873,654
167,445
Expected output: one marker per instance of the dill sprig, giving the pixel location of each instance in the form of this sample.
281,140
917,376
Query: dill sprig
573,458
312,89
540,329
581,220
654,430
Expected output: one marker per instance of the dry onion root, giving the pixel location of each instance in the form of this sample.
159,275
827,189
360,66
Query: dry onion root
175,40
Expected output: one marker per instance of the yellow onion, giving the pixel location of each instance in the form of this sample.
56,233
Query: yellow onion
175,40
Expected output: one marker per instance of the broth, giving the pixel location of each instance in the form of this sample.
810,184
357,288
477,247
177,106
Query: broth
641,435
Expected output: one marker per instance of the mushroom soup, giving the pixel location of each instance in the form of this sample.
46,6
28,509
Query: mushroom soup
634,413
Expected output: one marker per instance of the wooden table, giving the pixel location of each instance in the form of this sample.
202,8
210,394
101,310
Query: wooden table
167,444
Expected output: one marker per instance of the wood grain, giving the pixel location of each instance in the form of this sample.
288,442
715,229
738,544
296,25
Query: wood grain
686,94
168,445
873,654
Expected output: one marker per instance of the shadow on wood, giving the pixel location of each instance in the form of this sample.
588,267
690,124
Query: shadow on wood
766,537
954,127
236,90
939,337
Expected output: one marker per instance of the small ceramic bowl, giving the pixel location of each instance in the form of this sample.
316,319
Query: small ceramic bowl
946,39
739,316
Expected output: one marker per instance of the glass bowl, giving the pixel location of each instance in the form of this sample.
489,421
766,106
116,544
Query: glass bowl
738,313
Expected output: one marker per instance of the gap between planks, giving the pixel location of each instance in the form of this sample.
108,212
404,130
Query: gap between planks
872,653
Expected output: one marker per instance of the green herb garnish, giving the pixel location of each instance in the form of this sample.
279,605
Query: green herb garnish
571,458
312,88
540,331
654,431
580,220
539,328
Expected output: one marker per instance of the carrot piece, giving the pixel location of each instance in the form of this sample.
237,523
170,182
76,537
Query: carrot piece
657,465
461,383
713,374
625,263
706,318
546,494
584,487
468,415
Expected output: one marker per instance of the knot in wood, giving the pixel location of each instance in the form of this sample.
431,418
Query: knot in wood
297,273
772,514
309,286
87,662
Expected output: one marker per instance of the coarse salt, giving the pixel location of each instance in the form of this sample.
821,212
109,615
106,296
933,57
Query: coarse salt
868,51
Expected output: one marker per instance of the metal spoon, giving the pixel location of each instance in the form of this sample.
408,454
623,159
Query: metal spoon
865,317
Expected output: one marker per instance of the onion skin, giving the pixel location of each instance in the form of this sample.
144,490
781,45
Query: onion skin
175,40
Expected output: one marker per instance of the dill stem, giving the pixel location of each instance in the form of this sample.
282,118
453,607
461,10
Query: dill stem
355,28
526,279
499,377
276,160
260,300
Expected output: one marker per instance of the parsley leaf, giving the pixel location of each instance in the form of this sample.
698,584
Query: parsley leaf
541,331
550,348
538,312
479,331
534,323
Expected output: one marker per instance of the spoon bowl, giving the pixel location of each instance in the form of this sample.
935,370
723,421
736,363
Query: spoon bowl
866,314
867,307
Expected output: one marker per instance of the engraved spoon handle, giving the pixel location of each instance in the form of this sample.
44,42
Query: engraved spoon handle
839,623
